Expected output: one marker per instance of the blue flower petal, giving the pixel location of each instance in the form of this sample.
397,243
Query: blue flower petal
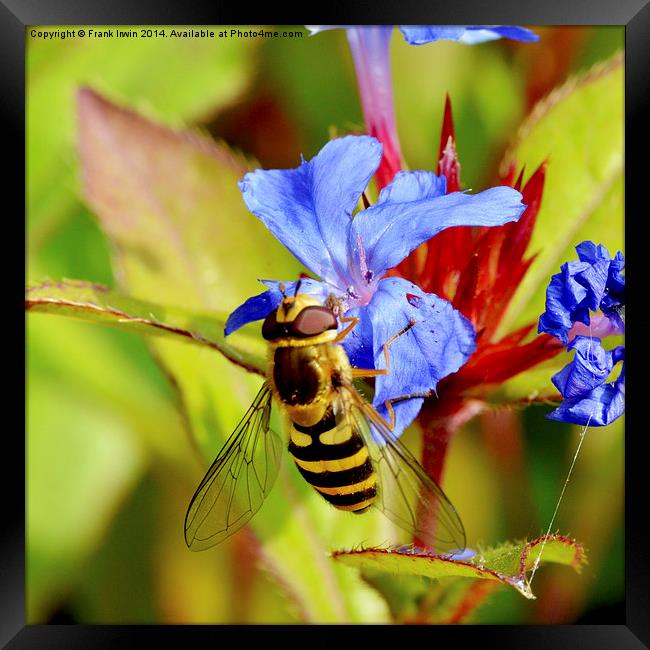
594,277
594,282
616,280
591,253
411,210
469,34
599,407
255,308
465,554
589,369
614,300
260,306
309,208
358,343
413,186
479,34
422,34
439,343
562,297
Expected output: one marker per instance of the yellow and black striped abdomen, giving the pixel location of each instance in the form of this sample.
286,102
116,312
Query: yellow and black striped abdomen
334,460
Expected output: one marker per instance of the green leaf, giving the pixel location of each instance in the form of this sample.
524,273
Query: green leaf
81,463
508,563
97,303
416,599
150,72
579,129
105,591
181,236
170,203
90,397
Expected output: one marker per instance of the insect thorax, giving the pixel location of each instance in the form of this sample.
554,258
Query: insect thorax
306,378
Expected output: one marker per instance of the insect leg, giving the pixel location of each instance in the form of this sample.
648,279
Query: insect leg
391,415
353,320
358,373
390,423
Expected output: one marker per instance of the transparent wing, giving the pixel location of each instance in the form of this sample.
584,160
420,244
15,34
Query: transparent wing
406,494
238,481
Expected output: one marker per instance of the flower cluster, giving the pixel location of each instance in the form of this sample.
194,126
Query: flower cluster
593,283
311,210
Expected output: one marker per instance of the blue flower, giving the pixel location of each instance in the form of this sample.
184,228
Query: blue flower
470,34
593,283
589,401
310,210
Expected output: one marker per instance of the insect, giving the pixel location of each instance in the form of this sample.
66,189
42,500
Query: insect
340,444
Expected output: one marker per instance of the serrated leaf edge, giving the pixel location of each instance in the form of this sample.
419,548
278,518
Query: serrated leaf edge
518,581
228,352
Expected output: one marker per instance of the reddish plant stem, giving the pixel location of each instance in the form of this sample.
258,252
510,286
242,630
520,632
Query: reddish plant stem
502,435
474,597
437,433
440,419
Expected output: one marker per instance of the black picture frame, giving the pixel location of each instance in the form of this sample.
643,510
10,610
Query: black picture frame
15,15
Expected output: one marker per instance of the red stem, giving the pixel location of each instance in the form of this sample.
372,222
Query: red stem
440,419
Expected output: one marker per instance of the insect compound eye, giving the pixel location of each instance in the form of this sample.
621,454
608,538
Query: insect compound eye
271,328
313,320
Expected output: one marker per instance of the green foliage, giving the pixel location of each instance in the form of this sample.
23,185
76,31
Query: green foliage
88,442
578,128
97,303
67,512
91,389
508,563
138,69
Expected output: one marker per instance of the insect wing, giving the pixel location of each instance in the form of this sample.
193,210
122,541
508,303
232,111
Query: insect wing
238,481
406,494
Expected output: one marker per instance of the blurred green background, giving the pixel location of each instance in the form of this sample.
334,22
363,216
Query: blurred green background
110,465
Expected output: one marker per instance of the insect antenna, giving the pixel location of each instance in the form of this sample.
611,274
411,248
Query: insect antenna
295,293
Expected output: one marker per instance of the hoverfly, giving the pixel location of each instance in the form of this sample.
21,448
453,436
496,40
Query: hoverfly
340,444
